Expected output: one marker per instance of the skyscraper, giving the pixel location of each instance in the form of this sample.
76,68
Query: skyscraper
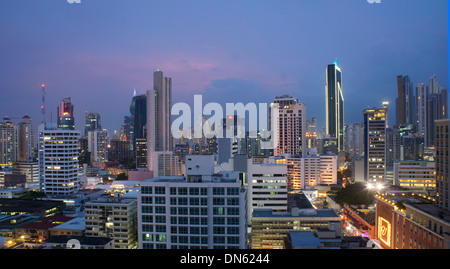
421,105
437,109
354,139
93,122
8,142
138,118
66,120
442,166
405,102
58,161
98,145
25,139
159,119
375,144
335,105
290,126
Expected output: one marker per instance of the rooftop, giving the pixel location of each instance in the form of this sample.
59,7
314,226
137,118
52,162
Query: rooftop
302,213
304,239
47,223
73,224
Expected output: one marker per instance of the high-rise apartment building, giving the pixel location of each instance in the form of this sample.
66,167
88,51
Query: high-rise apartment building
267,185
138,118
115,218
375,144
159,105
8,142
25,134
289,120
354,135
335,105
306,172
58,161
438,104
193,213
421,107
405,102
93,122
442,166
66,120
98,145
419,176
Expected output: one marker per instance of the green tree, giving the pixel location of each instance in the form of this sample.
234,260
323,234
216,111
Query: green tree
355,194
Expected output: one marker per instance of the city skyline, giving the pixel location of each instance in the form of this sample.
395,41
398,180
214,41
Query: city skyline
89,62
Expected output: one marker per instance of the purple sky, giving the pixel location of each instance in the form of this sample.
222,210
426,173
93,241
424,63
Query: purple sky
98,51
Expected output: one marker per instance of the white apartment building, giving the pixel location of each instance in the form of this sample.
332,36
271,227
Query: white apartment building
288,123
115,218
98,145
419,176
58,161
267,185
307,172
192,213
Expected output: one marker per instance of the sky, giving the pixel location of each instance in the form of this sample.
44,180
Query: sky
97,52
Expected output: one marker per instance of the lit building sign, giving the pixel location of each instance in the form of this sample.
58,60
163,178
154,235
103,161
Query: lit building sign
384,231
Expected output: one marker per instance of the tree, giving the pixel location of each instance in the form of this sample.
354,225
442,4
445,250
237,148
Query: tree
355,194
122,176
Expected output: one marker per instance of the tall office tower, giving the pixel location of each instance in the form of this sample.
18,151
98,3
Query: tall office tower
355,139
25,139
434,85
442,166
58,161
127,129
115,218
138,119
66,120
98,145
289,126
389,148
159,119
437,109
311,133
8,142
405,102
335,105
421,108
93,122
375,144
193,212
141,153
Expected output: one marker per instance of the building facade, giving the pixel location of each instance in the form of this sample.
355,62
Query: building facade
178,213
58,161
115,218
375,144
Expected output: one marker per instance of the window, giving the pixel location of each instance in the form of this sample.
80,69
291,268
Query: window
218,201
194,191
218,191
160,200
160,190
182,191
146,190
233,191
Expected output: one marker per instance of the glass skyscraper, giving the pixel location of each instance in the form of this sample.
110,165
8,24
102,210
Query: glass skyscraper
335,105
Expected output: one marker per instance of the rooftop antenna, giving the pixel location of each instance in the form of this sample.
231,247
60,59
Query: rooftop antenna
43,106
